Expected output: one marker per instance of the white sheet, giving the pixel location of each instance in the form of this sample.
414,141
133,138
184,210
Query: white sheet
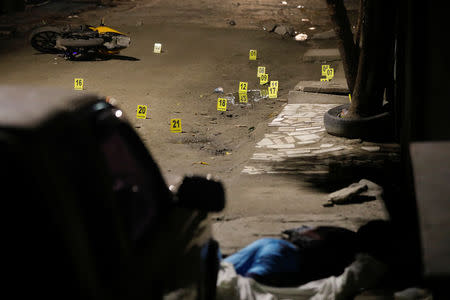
364,272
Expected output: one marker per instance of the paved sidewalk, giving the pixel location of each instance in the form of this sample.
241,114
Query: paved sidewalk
299,144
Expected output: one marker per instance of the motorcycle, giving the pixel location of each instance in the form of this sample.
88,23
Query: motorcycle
79,43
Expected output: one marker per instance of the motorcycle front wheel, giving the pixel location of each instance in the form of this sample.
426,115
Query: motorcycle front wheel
43,39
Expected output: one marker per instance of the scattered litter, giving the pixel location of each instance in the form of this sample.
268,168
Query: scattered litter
305,20
284,30
73,16
312,28
227,153
251,129
281,30
201,163
301,37
300,6
218,90
232,22
283,2
364,190
342,113
111,100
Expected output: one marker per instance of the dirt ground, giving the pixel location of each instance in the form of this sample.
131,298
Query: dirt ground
202,51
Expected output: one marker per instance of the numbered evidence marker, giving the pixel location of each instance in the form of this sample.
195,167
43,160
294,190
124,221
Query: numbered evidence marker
222,104
324,69
261,70
78,84
175,125
243,97
157,48
274,84
243,87
263,79
330,73
252,55
141,112
273,91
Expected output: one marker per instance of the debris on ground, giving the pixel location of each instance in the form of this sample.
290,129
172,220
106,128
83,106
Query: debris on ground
218,90
301,37
284,3
111,100
284,30
364,190
200,163
305,20
232,22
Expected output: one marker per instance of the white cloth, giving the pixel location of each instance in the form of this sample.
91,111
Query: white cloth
364,272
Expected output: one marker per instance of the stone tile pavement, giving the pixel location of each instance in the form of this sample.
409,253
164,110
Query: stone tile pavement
298,143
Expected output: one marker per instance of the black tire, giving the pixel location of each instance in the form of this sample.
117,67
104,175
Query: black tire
43,39
378,127
80,43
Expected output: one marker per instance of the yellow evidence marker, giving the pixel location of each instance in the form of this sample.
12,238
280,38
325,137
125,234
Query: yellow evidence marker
243,98
324,79
350,97
252,55
175,125
157,48
222,104
273,92
324,69
263,79
261,70
330,73
274,84
141,112
78,84
243,87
